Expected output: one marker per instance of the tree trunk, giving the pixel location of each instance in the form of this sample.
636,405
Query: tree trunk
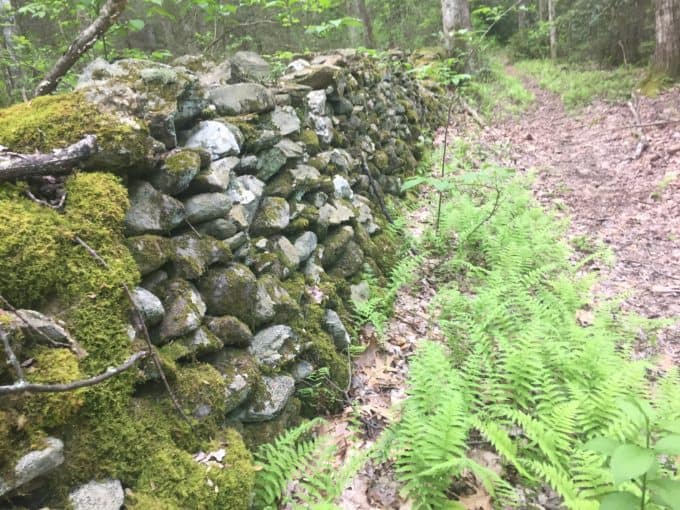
14,72
108,15
542,10
553,28
365,16
522,18
667,55
455,16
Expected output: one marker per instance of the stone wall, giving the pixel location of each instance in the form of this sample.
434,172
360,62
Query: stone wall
253,216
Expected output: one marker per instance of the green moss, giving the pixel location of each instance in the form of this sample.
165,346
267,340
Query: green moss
311,140
247,126
173,477
201,385
50,122
181,162
381,160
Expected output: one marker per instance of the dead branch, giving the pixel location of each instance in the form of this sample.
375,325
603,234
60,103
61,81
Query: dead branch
642,140
60,161
140,326
24,387
12,360
108,15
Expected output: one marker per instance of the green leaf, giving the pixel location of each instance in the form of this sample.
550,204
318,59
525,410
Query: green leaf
666,492
603,445
630,461
136,24
669,445
620,501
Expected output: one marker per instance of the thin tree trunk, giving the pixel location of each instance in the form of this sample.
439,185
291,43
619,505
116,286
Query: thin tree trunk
522,19
455,16
553,28
542,10
667,55
15,74
108,15
365,16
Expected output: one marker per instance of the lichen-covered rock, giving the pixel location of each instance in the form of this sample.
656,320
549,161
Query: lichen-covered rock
191,255
150,252
219,228
270,162
342,188
148,305
305,244
334,246
273,302
34,464
214,136
263,140
337,330
314,76
272,217
245,193
275,346
152,212
321,123
251,65
334,214
241,376
95,495
177,172
350,263
285,120
231,290
206,207
184,310
278,390
215,178
200,342
286,252
242,98
298,180
230,330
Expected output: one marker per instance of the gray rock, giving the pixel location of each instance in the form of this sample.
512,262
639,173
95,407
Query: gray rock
230,330
240,373
105,495
297,65
215,137
245,192
301,370
342,188
251,65
333,324
286,252
299,180
313,271
237,241
273,302
275,346
272,217
314,76
305,244
337,161
230,291
207,206
36,327
149,251
216,178
331,215
335,245
200,342
316,102
270,162
191,255
149,305
279,390
350,263
218,228
291,149
365,214
360,293
342,106
242,98
177,172
35,464
286,120
155,282
151,212
248,164
184,310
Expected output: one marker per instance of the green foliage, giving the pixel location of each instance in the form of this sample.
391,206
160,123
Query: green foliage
496,92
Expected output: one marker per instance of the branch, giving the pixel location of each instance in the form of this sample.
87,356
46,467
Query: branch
60,161
108,15
23,387
12,358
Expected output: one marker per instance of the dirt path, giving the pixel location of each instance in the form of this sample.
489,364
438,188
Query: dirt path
585,167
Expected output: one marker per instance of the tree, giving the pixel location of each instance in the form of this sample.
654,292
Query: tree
365,16
667,55
552,18
455,16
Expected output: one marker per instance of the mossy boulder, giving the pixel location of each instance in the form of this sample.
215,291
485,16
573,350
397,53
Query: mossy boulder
184,310
241,374
334,246
152,212
350,262
150,252
230,330
272,217
231,290
200,389
177,171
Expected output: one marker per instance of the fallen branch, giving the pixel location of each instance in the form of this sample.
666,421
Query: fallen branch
60,161
24,387
642,140
12,359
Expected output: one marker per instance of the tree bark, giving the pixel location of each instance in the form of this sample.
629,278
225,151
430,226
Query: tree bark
365,16
60,161
553,28
108,15
542,10
455,16
667,54
522,19
14,72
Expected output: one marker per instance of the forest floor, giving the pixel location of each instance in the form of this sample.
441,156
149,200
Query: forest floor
618,185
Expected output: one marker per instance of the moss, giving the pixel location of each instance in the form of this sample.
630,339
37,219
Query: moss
311,140
246,124
381,160
50,122
201,385
173,477
181,162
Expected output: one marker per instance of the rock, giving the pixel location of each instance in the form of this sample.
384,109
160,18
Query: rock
332,215
266,139
230,330
273,302
360,293
248,164
275,346
297,65
342,106
215,137
270,162
335,161
155,282
333,324
237,241
191,255
241,99
200,342
279,390
149,306
207,206
151,212
299,180
314,76
230,291
184,310
149,251
365,214
285,120
272,217
218,228
251,65
216,178
342,188
245,192
313,271
106,495
286,252
301,370
35,327
241,375
334,246
350,263
291,149
35,464
177,172
305,244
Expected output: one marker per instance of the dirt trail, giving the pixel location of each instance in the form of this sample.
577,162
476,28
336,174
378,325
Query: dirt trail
585,166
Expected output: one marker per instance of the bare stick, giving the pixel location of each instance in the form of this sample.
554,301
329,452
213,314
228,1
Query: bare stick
24,387
108,15
60,161
12,359
642,140
140,326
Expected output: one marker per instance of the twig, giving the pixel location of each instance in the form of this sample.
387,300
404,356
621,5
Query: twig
443,169
24,387
642,143
374,188
487,218
12,359
140,326
37,200
193,228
